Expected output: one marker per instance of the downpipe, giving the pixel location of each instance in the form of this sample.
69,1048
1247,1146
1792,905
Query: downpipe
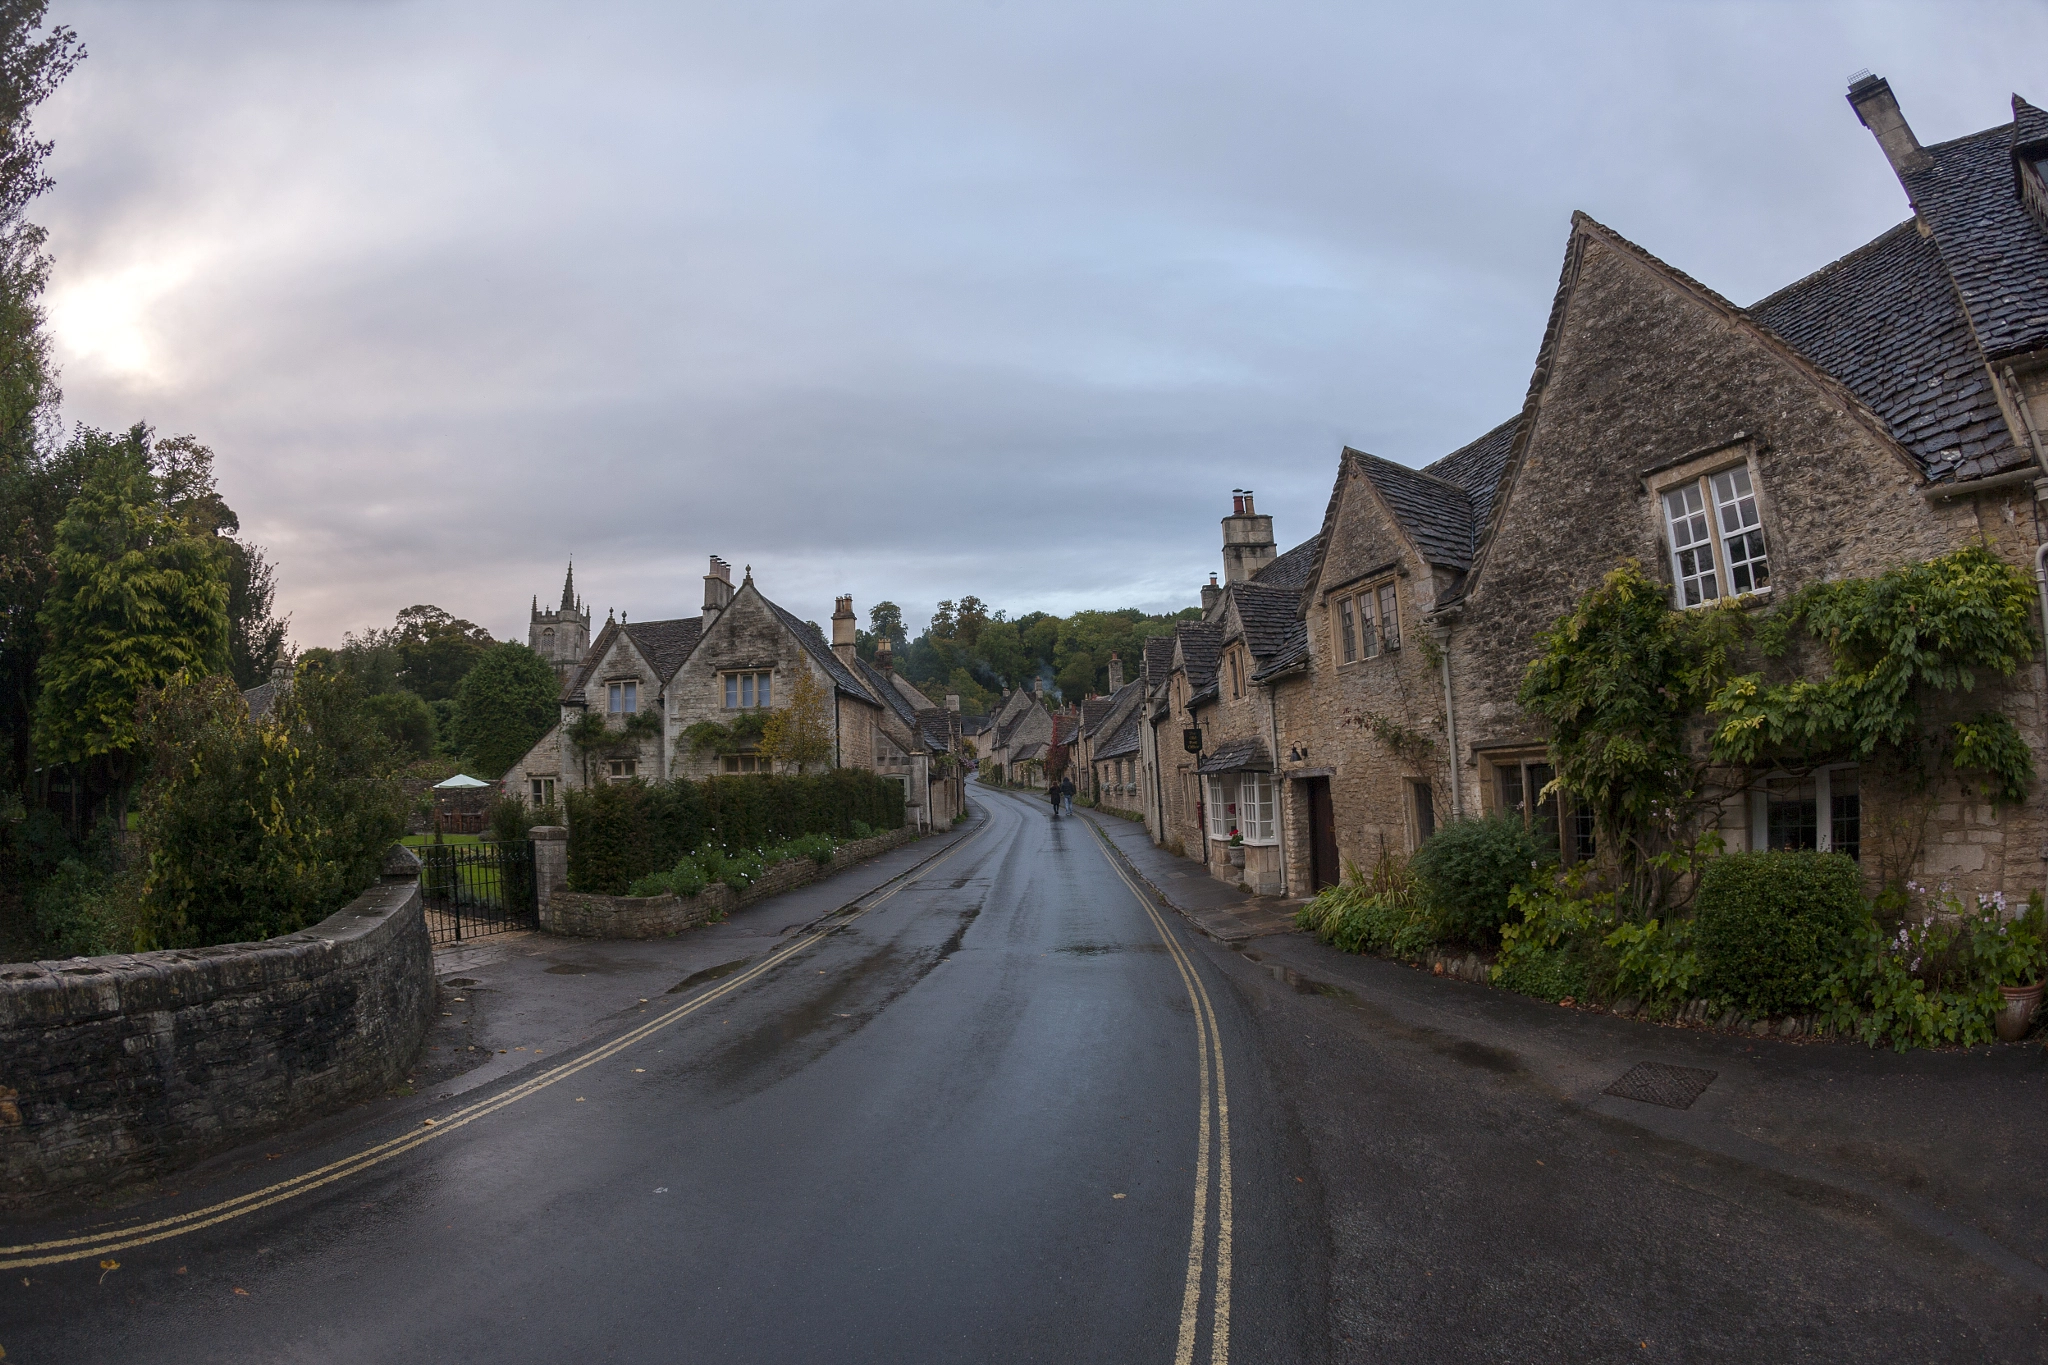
1451,716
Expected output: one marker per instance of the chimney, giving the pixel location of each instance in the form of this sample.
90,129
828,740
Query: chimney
1116,672
1247,538
843,629
1871,97
717,590
1211,594
953,702
1038,687
885,657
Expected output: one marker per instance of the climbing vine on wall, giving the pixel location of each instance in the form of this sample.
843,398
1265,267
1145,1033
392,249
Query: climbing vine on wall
1626,683
710,737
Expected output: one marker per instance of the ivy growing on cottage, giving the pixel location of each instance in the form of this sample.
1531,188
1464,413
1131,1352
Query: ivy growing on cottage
1643,700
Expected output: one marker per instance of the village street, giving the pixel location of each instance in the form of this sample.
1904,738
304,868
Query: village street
974,1117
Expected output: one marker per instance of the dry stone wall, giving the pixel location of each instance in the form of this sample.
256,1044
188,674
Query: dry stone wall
117,1068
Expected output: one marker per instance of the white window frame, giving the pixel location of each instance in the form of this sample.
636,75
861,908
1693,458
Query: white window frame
542,790
1823,807
749,689
622,769
1259,807
1219,791
1726,503
622,698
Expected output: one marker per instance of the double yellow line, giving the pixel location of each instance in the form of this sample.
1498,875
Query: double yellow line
101,1244
1212,1143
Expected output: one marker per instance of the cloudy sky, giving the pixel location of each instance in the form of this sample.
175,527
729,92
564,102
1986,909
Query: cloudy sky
906,300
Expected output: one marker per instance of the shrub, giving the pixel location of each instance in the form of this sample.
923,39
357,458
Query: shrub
1468,868
1380,912
1773,927
1554,949
511,819
620,832
82,911
1936,979
253,829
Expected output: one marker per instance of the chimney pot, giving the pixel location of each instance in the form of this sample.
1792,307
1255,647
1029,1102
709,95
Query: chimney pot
843,629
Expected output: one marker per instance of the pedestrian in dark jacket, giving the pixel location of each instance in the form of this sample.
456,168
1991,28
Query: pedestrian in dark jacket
1053,794
1067,795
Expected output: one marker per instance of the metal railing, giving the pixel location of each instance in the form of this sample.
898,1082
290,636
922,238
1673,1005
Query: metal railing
472,890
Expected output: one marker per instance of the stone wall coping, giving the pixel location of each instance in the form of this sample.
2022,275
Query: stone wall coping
548,833
73,990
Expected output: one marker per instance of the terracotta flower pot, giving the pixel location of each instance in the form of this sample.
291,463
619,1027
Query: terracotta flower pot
2018,1014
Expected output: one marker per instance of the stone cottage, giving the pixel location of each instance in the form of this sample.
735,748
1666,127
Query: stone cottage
684,698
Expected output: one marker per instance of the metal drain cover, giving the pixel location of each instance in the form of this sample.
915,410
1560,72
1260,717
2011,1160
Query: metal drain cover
1674,1087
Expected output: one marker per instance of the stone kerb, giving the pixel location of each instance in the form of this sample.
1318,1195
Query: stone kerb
580,914
120,1067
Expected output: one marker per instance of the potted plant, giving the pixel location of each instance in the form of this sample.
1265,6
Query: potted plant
1235,852
2019,958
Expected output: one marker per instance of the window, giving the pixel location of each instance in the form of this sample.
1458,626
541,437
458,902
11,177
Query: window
543,791
1236,674
619,769
746,763
749,689
1368,621
1821,811
1242,803
1719,507
1425,810
622,698
1518,790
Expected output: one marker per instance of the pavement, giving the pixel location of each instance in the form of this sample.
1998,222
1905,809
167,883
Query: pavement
997,1097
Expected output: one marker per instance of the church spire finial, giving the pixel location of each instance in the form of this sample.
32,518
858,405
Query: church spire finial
569,588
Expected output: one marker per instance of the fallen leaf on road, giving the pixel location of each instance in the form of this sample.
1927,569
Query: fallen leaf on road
579,1099
179,1271
107,1268
272,1156
243,1292
639,1069
1116,1196
427,1122
661,1189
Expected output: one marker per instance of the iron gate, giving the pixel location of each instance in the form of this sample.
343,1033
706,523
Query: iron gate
475,889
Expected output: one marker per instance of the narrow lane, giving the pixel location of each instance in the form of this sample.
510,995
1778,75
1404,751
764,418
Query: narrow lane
967,1122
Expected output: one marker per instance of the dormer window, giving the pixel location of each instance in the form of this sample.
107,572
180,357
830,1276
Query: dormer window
1368,621
622,698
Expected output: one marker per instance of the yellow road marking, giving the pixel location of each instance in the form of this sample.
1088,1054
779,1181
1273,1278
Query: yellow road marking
1210,1044
82,1248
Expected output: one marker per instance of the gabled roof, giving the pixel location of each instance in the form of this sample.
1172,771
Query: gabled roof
1200,644
813,641
591,658
1885,321
1122,741
975,725
882,686
1268,614
1158,661
1994,251
1436,514
1292,569
1094,711
666,644
935,727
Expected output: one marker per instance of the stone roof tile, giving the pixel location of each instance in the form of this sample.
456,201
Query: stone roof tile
1995,252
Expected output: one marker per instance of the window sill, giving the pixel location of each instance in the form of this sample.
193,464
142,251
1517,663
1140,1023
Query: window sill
1746,601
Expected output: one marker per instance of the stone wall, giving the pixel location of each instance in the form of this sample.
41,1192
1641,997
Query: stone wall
579,914
117,1068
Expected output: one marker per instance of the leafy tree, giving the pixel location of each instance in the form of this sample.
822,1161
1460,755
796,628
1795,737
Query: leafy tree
436,650
800,733
139,599
504,705
405,722
255,637
252,829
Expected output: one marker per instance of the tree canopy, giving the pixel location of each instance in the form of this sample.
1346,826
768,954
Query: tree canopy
503,706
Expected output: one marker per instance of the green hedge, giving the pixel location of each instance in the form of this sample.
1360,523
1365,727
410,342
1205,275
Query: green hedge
1468,867
619,833
1771,927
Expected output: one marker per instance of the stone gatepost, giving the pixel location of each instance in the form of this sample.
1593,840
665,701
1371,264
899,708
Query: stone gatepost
550,859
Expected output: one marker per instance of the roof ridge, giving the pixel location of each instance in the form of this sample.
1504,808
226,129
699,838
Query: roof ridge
1840,262
1421,473
2005,128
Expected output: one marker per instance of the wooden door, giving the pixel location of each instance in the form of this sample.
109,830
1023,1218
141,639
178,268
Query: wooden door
1322,834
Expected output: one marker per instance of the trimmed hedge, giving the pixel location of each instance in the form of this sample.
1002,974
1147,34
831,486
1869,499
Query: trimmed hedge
621,832
1770,927
1468,867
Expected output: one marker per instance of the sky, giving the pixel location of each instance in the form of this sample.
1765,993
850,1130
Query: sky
908,300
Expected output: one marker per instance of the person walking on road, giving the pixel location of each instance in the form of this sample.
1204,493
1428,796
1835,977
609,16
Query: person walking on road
1067,795
1053,793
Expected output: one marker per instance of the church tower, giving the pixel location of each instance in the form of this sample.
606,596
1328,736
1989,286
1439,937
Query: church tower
562,637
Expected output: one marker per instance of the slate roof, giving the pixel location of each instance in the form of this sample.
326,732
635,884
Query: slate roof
1444,506
263,696
1094,711
935,727
975,725
596,652
1884,320
665,644
1158,660
884,690
1123,740
1478,467
1236,755
1292,569
2029,125
1268,614
813,641
1994,251
1201,643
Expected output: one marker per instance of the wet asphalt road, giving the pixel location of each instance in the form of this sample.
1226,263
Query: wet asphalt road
965,1123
